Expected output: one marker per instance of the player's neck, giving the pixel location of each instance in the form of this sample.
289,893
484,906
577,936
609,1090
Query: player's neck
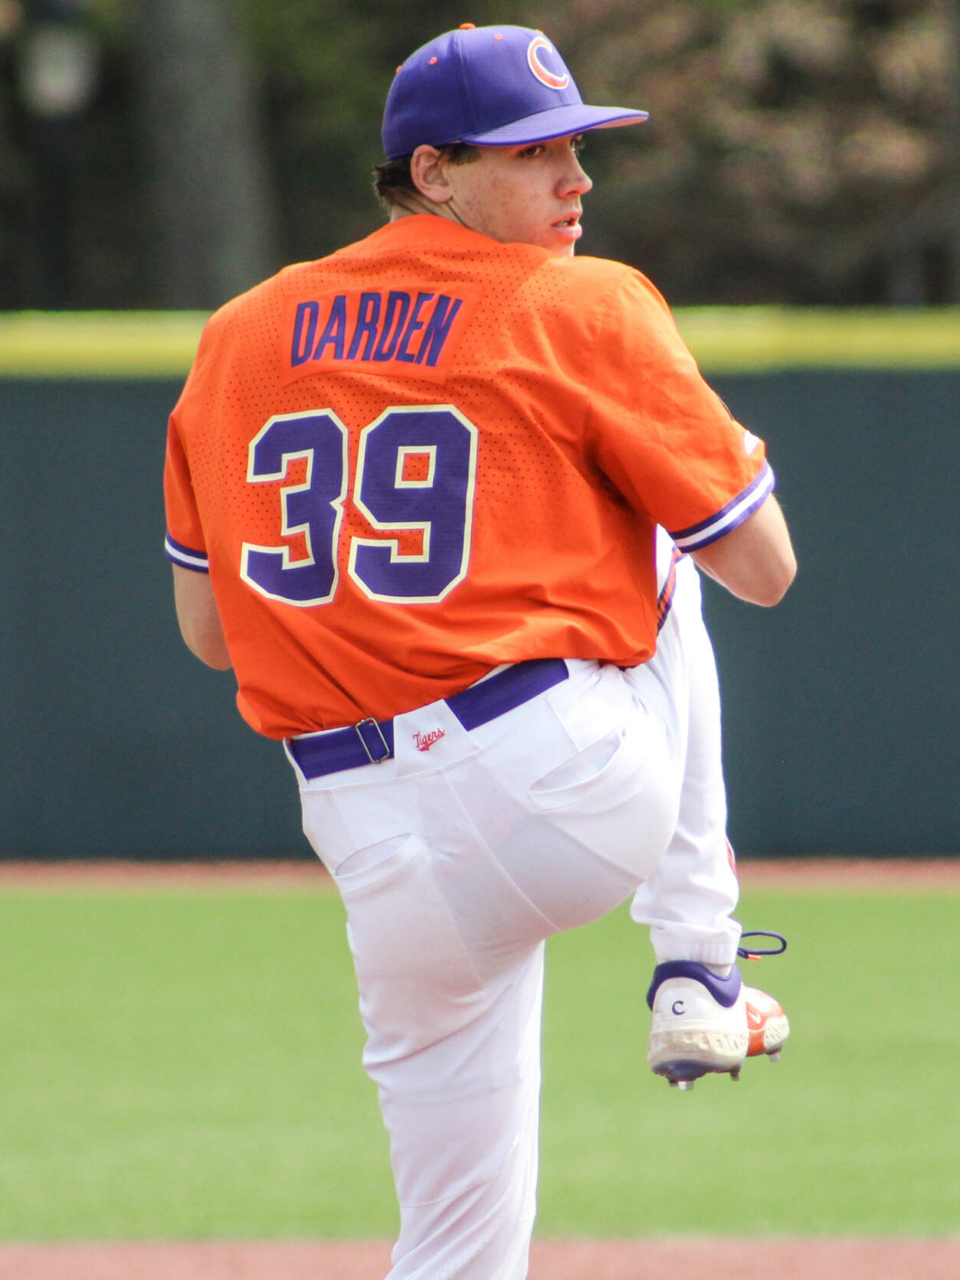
417,204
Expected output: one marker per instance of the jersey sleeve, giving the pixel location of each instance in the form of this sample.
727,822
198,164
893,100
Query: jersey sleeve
660,434
185,544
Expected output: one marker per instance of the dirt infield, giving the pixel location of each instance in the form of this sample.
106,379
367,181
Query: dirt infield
809,874
790,1259
884,1258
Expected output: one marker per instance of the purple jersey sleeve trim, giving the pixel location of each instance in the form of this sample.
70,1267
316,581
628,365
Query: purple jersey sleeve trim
186,556
734,513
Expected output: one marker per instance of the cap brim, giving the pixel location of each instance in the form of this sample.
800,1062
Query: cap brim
557,122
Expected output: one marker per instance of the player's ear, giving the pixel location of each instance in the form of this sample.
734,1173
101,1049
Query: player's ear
429,175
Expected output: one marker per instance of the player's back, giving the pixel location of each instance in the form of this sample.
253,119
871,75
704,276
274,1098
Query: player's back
388,454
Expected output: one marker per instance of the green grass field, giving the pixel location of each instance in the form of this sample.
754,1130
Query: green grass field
186,1065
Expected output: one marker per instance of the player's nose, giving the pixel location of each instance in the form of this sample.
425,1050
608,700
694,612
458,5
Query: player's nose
576,180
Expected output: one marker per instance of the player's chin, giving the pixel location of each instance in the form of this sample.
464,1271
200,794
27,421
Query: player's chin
563,239
559,248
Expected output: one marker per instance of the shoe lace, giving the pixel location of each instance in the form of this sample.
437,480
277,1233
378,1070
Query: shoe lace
756,953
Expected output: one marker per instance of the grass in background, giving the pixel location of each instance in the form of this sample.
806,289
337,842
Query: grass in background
186,1065
855,1130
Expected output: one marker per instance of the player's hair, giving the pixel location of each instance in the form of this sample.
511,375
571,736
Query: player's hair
392,179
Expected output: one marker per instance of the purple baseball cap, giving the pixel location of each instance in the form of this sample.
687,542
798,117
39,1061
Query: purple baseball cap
490,86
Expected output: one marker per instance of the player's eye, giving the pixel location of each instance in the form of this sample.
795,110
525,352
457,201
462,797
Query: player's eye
577,144
536,149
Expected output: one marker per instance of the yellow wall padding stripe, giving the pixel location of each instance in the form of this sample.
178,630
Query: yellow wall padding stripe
98,344
131,344
768,339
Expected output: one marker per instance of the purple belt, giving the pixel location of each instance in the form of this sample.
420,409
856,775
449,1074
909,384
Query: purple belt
371,741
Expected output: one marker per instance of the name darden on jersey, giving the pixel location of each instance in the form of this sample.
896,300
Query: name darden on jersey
396,331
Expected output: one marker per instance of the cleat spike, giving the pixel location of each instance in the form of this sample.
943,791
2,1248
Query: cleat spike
684,1084
775,1056
735,1075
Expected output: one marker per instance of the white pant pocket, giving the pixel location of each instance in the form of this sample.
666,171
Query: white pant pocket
590,770
376,862
625,810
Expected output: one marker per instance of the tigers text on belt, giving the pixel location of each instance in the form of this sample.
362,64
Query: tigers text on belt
371,741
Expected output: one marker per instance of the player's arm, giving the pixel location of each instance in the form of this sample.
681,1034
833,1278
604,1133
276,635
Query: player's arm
198,617
755,561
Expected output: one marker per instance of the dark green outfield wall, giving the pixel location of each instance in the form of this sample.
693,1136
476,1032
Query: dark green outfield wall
842,706
116,741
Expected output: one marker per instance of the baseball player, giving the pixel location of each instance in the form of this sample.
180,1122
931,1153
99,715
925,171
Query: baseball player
413,497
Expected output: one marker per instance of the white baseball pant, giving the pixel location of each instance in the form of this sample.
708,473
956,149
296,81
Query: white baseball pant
455,863
689,898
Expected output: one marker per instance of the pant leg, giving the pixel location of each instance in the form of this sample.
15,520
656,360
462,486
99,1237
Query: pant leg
454,868
449,965
468,1197
689,900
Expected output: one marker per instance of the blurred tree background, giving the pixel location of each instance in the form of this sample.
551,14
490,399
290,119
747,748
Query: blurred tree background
168,153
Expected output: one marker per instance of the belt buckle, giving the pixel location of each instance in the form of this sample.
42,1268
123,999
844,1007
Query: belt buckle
362,724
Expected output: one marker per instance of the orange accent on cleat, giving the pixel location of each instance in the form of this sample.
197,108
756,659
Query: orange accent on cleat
766,1023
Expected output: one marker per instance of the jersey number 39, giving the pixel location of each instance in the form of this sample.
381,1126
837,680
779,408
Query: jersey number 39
435,496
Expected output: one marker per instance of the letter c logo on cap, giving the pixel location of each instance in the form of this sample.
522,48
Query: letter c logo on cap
549,78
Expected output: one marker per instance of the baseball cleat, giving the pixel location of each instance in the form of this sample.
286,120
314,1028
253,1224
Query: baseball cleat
699,1022
705,1024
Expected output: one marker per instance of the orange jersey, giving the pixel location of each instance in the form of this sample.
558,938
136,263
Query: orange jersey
431,453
